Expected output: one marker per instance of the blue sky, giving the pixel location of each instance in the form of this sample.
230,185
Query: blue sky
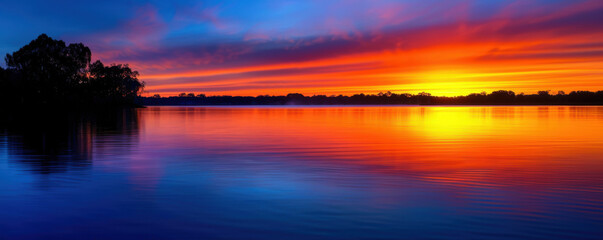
213,46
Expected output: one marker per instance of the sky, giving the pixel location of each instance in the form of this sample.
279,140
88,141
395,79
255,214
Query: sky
275,47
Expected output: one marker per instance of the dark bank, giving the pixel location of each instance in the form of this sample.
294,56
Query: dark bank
502,97
47,73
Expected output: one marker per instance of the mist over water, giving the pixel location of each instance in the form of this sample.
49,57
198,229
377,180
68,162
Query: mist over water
305,173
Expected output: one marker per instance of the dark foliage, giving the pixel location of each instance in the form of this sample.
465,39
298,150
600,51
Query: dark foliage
116,84
501,97
47,72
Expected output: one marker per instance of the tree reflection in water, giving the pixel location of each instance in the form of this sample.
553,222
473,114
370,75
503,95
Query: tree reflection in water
52,142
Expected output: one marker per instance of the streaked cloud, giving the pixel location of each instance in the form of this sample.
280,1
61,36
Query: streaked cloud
342,47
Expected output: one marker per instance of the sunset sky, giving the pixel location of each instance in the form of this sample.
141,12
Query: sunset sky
258,47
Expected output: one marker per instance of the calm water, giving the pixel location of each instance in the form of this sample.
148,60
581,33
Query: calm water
305,173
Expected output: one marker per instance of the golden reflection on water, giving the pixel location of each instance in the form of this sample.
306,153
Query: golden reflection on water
536,144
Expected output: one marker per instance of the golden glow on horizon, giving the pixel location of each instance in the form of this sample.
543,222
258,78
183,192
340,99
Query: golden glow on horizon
458,66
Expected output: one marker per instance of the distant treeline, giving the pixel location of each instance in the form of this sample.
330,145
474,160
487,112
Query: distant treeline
49,73
501,97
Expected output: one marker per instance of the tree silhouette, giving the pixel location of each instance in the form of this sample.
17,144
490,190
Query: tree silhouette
48,72
2,78
502,97
116,84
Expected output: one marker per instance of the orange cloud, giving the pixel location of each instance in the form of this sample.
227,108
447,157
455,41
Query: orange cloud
518,48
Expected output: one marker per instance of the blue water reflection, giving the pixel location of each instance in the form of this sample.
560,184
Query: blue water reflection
305,173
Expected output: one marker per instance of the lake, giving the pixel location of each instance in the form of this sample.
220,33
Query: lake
325,172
